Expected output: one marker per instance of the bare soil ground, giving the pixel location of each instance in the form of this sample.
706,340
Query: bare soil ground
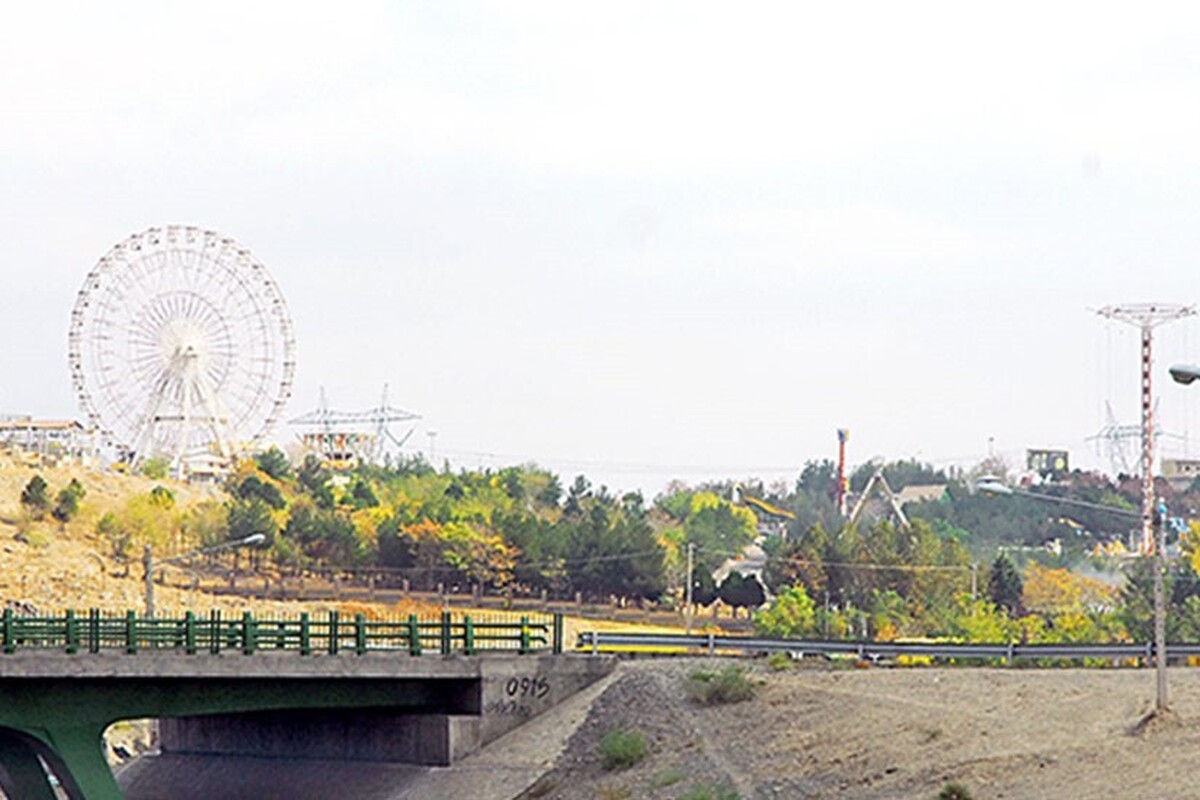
820,731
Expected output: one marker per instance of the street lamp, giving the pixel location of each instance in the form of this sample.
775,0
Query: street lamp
150,564
1184,373
992,485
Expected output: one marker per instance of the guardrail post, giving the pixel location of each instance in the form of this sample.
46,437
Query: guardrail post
360,634
468,635
93,630
446,632
10,644
414,635
526,647
189,633
712,643
305,635
249,634
558,634
72,626
334,633
131,644
1009,657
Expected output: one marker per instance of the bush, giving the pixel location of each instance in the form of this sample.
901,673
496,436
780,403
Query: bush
668,777
710,791
954,791
717,688
779,661
620,749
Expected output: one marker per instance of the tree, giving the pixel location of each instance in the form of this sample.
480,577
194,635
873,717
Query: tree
66,505
250,517
361,495
704,588
118,536
274,463
156,468
1005,586
34,497
742,591
252,487
792,614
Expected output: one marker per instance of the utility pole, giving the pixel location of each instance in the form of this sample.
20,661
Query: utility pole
1147,316
687,603
843,436
1160,614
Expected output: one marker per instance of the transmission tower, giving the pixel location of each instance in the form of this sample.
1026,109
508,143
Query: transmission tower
344,438
1113,437
1147,317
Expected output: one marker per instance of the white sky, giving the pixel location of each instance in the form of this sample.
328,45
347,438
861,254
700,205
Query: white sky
639,240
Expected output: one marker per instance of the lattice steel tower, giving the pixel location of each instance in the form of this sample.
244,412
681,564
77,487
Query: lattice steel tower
1147,317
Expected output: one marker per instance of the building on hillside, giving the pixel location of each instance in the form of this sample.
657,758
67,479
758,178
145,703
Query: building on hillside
1180,472
47,438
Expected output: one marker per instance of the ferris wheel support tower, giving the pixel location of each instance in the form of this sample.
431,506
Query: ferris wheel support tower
1147,317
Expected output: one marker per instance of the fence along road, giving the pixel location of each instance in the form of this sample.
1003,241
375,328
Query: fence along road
872,650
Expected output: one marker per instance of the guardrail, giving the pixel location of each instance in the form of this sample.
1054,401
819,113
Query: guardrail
871,650
96,631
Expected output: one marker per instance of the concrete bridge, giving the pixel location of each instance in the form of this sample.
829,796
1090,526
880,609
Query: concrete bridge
381,708
303,690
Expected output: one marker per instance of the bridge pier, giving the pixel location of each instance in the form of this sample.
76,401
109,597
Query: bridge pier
75,754
21,773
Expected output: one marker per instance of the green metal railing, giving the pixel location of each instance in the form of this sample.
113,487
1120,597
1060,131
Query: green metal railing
97,631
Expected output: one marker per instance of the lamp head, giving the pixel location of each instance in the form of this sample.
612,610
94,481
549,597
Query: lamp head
1184,373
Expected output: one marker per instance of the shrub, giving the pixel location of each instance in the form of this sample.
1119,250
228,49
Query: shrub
779,661
710,791
717,688
620,748
954,791
668,777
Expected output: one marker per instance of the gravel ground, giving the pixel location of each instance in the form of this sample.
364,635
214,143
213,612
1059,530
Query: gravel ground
819,731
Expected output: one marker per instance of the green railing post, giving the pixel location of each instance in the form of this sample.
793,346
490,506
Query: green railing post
360,634
10,644
214,631
305,635
249,634
468,636
558,633
333,633
189,633
446,622
414,635
525,644
72,632
131,643
93,630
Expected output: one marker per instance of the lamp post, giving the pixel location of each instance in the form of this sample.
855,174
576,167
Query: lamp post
149,562
993,486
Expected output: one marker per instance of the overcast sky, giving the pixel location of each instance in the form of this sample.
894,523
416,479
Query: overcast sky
638,240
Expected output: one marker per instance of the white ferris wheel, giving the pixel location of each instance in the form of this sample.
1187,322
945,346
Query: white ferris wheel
181,348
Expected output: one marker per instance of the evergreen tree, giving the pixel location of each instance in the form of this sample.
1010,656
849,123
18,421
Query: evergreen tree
66,504
1005,586
35,497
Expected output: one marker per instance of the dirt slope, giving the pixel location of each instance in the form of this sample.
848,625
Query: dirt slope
820,732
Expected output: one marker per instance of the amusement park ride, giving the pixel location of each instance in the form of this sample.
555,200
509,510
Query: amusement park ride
181,349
